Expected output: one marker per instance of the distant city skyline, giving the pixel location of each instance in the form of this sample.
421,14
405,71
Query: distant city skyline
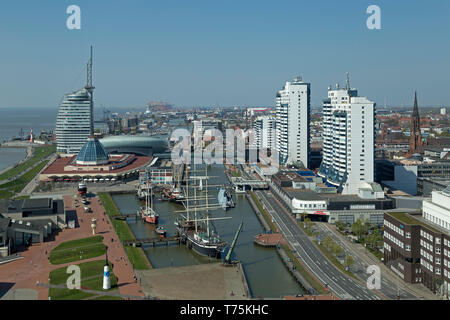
223,54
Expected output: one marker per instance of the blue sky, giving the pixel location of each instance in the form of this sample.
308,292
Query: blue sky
222,52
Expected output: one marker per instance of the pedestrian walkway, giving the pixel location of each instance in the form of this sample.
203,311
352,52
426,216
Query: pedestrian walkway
35,266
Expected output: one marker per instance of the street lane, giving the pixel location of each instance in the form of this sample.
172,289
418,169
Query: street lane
341,285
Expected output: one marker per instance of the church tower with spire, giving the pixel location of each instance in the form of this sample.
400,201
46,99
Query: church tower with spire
415,143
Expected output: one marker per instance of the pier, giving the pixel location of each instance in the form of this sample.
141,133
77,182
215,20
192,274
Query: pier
268,239
153,242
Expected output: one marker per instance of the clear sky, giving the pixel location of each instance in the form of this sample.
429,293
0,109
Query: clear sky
209,52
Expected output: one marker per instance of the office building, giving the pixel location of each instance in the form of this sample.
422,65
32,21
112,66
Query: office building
417,247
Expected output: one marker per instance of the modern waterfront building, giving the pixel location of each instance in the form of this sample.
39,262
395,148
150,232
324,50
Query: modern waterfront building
304,193
348,139
292,122
138,145
75,120
73,123
417,247
264,130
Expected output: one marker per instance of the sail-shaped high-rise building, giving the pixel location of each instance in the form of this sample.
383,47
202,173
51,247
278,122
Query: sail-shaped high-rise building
75,120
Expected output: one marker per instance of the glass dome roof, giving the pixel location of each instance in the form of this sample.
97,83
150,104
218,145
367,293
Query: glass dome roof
92,153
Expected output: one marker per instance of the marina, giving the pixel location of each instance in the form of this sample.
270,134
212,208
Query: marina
265,273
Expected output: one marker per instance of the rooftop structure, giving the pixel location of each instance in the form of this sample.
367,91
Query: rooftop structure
92,153
132,144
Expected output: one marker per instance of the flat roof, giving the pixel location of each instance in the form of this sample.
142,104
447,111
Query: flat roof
303,195
30,204
410,220
57,167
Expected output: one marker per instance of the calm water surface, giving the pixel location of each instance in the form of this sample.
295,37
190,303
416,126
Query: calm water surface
266,274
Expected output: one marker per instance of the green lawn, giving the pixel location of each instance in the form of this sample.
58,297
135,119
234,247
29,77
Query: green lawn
333,259
91,278
39,154
8,189
136,255
236,173
78,250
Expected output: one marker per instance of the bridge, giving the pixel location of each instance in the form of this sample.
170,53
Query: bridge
240,184
152,241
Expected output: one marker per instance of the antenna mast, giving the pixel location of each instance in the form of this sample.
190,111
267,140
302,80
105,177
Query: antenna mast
90,88
348,81
89,72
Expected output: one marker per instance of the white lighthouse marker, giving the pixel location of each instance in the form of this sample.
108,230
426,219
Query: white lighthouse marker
106,274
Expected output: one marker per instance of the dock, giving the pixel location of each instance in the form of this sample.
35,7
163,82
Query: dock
152,241
270,240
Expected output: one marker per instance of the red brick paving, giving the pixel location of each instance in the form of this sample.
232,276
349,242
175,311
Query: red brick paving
35,266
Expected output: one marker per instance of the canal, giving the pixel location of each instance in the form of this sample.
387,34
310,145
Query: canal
266,274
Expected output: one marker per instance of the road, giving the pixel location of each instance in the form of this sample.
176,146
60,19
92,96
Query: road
391,285
343,286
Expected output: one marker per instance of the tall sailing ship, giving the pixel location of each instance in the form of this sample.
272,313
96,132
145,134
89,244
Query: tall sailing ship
196,229
147,213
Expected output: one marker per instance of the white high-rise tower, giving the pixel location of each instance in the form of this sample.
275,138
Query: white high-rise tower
75,120
292,122
264,129
348,139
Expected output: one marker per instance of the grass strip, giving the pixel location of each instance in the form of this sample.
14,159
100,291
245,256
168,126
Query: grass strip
136,255
18,184
264,212
39,153
87,271
333,260
305,274
79,249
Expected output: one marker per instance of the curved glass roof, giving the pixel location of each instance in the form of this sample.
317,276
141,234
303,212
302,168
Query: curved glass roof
92,152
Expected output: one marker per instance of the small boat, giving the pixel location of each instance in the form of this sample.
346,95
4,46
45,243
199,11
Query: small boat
161,231
147,213
225,198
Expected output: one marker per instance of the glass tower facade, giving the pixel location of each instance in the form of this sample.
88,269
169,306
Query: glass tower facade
73,123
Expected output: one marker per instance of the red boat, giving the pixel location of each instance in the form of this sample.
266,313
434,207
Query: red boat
147,213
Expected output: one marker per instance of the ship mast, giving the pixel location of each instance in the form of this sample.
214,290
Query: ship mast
195,206
207,212
187,191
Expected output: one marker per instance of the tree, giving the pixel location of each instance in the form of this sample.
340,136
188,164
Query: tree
308,223
341,226
360,228
348,262
337,250
304,215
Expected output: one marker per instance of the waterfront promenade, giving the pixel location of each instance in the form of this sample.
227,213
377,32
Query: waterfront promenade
24,274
